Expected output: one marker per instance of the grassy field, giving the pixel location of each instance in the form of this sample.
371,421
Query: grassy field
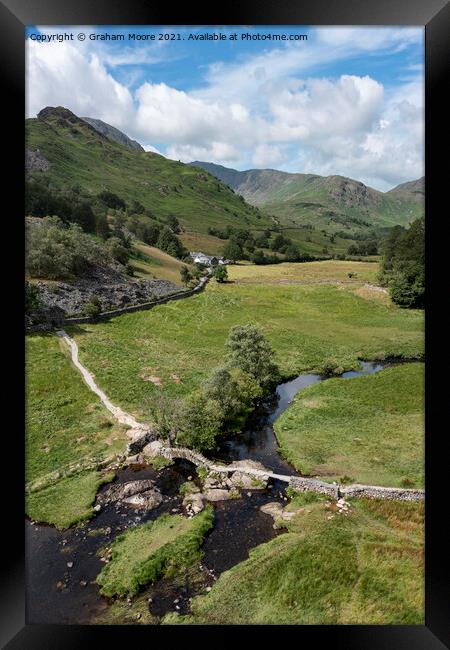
155,263
364,568
179,343
67,502
332,271
370,429
65,424
199,241
146,552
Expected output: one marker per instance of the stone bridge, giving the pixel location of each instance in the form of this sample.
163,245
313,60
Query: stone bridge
298,483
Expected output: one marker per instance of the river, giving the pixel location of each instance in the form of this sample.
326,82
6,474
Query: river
61,567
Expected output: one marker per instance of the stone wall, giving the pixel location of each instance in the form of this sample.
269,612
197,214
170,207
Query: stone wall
302,484
378,492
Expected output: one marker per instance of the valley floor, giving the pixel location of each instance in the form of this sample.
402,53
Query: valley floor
329,568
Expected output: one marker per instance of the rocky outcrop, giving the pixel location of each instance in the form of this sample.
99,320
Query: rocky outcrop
69,299
141,494
194,503
218,494
35,161
114,134
147,500
277,512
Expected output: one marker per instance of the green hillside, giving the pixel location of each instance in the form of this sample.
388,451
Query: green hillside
80,156
339,205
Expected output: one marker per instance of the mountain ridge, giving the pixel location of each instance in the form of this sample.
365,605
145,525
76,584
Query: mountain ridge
65,151
297,198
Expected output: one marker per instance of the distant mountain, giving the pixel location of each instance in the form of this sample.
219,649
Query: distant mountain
66,151
410,190
334,203
113,134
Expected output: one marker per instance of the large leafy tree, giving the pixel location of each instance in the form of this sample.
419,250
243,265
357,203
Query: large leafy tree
403,264
233,250
251,352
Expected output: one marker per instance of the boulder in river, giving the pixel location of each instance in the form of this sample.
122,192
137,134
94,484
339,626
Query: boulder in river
276,510
218,494
245,481
123,491
145,500
194,502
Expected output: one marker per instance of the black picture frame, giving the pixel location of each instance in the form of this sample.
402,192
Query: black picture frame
434,15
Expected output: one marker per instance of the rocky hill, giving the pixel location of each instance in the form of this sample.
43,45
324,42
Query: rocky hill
113,134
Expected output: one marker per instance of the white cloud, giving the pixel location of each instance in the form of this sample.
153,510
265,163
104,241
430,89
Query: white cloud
65,76
262,111
218,152
266,155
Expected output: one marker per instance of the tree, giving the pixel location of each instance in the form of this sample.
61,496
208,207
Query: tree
261,241
102,226
220,273
280,243
185,275
292,254
232,250
58,251
403,264
169,242
234,390
82,215
199,422
173,223
112,200
251,352
165,413
258,257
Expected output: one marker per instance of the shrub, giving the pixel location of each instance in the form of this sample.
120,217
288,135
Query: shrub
185,275
160,462
220,273
330,368
59,251
92,308
32,301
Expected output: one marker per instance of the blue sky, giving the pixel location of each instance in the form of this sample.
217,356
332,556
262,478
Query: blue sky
347,101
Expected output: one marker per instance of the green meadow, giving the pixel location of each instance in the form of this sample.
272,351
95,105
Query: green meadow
364,429
65,424
327,569
172,348
146,552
